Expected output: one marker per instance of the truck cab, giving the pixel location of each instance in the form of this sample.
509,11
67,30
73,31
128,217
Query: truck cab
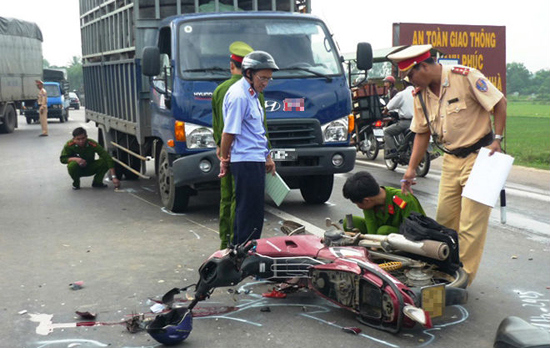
57,105
307,104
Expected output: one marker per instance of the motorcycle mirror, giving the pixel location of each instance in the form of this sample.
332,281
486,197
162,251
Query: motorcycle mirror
417,315
382,102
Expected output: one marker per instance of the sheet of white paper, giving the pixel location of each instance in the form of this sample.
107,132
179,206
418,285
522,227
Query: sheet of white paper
276,188
488,177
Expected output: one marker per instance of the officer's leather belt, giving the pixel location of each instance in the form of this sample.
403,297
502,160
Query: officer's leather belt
464,152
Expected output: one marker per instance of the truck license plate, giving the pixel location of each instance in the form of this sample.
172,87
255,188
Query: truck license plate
433,300
378,132
284,154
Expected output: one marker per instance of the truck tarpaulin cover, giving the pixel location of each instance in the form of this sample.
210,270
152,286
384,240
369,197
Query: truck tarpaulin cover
16,27
21,59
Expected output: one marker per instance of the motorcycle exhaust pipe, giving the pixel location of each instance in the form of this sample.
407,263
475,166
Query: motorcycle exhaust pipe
428,248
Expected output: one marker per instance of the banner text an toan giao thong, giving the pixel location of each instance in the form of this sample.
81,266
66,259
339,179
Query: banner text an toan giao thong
476,46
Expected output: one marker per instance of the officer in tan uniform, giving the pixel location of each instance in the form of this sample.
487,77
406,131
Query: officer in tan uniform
459,102
43,107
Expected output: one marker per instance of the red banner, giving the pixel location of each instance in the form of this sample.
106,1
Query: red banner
478,46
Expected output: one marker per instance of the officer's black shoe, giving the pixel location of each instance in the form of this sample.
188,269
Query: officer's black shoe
76,187
98,185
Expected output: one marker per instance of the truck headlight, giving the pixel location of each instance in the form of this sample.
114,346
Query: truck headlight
199,137
335,131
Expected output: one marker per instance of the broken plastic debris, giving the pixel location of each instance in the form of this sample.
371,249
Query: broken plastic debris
514,257
274,294
352,330
157,308
86,315
136,323
77,285
22,312
265,309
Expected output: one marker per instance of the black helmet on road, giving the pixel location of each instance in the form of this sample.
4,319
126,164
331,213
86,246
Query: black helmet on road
259,60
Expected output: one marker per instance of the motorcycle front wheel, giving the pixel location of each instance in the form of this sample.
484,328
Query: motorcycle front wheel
424,166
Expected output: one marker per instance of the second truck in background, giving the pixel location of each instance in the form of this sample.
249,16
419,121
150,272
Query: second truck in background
20,67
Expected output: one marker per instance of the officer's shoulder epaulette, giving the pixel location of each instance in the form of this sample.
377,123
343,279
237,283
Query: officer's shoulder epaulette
92,143
399,202
461,70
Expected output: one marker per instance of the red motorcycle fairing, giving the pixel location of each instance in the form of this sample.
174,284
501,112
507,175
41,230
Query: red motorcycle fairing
290,246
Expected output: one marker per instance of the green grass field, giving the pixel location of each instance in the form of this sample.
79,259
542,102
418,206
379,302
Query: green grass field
528,134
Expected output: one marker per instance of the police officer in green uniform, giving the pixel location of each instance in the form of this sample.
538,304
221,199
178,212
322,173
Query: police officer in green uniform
79,156
384,208
238,50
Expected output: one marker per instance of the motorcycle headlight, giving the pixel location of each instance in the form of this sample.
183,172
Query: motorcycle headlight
199,137
335,131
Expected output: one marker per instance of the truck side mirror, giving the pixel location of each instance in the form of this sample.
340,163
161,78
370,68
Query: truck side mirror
150,61
364,56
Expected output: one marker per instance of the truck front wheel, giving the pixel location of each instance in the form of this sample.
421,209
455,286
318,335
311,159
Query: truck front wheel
174,198
316,189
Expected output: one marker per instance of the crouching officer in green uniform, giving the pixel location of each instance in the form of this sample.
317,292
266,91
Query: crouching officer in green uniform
238,50
384,207
79,156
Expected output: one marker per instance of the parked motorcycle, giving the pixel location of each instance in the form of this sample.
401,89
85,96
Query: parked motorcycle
379,125
388,281
404,142
367,110
366,139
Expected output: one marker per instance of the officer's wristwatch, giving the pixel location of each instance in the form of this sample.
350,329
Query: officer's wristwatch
499,137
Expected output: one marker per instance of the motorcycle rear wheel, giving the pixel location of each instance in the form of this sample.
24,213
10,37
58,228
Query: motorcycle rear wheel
369,146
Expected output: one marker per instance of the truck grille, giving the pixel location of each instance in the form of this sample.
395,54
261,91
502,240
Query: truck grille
292,133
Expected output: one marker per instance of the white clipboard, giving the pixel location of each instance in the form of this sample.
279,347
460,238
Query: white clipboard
488,177
276,187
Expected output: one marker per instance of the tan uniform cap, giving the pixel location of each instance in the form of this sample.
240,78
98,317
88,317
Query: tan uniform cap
410,56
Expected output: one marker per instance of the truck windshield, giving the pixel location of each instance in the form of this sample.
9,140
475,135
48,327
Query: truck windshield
301,47
52,90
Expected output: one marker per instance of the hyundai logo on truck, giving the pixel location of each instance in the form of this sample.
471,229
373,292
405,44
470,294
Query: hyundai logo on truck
272,105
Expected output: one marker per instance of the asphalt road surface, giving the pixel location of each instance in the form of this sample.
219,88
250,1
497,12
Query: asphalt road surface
127,250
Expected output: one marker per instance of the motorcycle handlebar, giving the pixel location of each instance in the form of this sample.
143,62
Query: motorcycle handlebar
246,248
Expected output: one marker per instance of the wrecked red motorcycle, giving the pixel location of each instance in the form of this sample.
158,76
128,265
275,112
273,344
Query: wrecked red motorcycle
390,282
